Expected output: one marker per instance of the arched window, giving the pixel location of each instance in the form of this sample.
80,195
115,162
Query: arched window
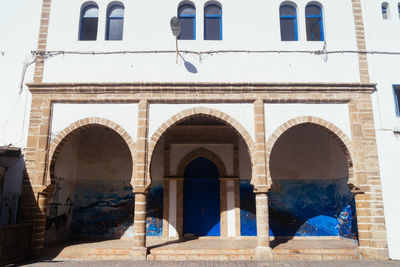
89,22
212,21
314,23
288,19
115,22
398,7
187,19
385,10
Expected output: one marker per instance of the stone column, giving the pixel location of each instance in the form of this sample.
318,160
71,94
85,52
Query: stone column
139,250
140,183
260,181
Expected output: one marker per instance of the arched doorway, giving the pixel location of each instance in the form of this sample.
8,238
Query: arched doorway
91,169
198,155
310,195
201,199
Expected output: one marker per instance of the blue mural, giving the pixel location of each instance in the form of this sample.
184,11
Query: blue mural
154,218
303,208
248,225
103,209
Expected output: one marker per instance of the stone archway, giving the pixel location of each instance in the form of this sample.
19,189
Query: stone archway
309,167
194,112
91,169
62,137
340,137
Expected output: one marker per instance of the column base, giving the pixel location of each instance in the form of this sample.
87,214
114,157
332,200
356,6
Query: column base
138,254
263,253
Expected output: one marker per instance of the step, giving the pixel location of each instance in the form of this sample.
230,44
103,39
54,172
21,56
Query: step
200,257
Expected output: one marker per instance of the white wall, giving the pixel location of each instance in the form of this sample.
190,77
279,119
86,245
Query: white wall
160,113
248,26
278,114
125,115
19,30
382,35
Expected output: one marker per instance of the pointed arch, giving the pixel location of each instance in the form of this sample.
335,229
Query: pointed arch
201,152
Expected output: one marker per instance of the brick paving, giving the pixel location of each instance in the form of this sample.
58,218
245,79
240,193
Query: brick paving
363,263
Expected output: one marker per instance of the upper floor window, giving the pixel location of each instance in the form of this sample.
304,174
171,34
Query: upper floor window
212,21
115,22
397,99
398,7
187,19
314,23
385,10
288,21
89,22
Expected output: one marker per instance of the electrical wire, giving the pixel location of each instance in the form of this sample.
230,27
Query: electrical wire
46,54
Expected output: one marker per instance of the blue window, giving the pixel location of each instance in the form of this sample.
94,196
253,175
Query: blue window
288,20
314,23
89,22
212,21
396,89
385,10
398,8
187,19
115,22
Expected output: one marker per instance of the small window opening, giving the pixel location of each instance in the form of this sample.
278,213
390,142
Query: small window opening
314,23
187,19
213,21
385,10
89,22
397,99
288,21
115,22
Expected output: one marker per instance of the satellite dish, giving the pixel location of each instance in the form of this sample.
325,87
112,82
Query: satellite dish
175,26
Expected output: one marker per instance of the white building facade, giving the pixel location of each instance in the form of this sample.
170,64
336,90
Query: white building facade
270,107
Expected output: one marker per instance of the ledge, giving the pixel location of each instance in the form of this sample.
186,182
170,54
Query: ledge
196,87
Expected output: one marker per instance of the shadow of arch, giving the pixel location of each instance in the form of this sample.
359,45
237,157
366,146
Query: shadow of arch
197,112
201,152
340,137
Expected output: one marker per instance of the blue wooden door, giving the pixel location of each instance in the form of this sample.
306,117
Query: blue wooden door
201,202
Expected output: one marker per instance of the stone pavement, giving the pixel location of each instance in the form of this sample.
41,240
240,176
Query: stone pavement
352,263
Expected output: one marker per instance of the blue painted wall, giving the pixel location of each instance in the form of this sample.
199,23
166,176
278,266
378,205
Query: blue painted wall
103,209
248,224
154,220
303,208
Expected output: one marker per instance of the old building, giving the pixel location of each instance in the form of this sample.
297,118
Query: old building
255,125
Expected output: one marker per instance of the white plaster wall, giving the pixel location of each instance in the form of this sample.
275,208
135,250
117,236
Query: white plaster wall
252,26
278,114
19,31
160,113
384,70
125,115
179,151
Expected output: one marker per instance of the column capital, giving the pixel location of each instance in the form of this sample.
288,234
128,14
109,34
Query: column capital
140,190
262,189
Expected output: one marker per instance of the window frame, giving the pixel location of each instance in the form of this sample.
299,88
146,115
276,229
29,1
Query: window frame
219,17
396,95
181,5
296,34
385,10
321,21
109,19
86,6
